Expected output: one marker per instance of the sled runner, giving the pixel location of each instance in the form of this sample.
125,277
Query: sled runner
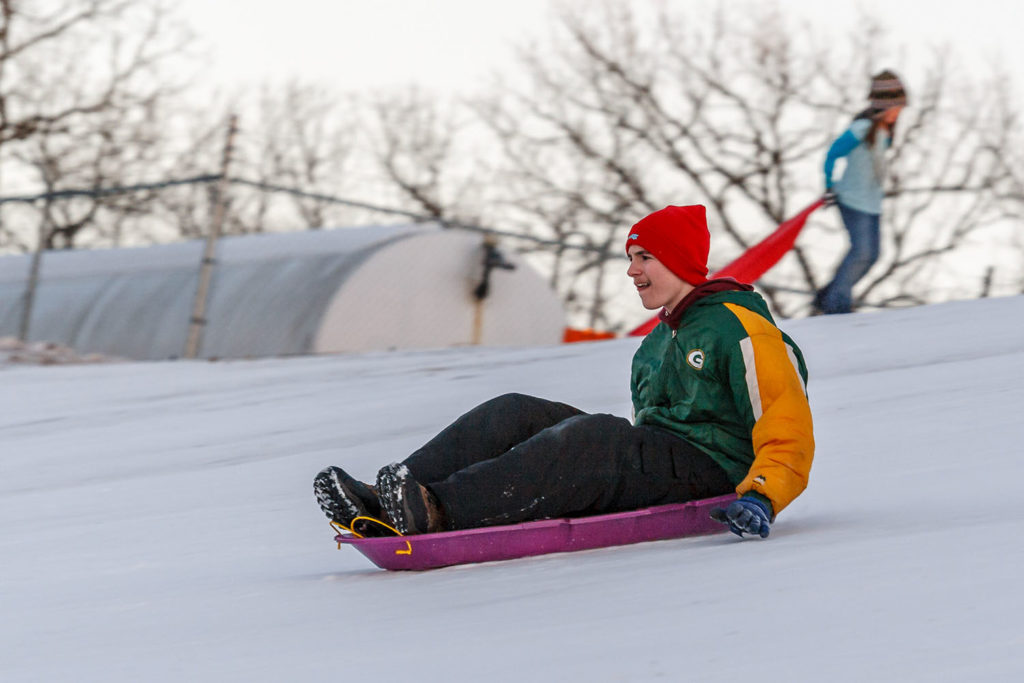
429,551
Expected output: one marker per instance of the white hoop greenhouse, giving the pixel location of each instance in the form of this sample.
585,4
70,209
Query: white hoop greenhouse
323,291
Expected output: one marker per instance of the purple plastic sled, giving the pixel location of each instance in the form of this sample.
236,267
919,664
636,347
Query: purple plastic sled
428,551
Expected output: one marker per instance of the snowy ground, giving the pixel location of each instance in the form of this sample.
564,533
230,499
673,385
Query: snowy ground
158,524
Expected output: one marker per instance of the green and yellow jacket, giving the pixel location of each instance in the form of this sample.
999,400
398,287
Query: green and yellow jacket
720,374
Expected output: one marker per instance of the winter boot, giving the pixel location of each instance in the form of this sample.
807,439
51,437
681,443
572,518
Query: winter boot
412,508
343,498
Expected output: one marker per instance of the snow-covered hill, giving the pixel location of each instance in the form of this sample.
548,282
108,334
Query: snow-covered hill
158,524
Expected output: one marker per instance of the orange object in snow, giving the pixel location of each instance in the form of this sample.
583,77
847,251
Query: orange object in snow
575,335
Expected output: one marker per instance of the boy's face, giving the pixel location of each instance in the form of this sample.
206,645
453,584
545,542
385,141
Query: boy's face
657,286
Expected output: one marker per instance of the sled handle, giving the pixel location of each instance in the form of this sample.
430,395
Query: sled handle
408,546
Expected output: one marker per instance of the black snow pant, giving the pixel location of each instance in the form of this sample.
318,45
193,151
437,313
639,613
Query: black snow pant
516,458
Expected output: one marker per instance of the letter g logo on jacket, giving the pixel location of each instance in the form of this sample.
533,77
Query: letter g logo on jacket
695,358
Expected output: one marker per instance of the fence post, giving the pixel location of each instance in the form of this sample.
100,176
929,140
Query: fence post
198,320
33,275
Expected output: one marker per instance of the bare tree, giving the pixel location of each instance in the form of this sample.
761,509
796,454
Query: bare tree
302,137
617,120
81,85
622,114
297,163
183,211
421,150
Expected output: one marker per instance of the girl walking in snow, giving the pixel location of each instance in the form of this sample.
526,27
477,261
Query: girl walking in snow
858,193
719,405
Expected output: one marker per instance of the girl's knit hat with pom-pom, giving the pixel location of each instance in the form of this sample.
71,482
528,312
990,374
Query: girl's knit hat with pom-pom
887,91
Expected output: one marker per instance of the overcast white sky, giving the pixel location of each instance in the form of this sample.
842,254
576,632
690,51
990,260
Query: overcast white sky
452,43
445,43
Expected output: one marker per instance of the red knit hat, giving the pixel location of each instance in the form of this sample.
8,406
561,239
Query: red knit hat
678,237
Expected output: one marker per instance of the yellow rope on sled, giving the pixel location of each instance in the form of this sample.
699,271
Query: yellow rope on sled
376,521
337,526
349,529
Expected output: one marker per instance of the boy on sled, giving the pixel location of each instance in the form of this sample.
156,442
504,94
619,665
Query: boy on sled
719,401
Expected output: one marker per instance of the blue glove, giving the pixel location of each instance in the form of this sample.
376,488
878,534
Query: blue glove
746,515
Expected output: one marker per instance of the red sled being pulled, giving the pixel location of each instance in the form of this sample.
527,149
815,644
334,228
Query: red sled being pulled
488,544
